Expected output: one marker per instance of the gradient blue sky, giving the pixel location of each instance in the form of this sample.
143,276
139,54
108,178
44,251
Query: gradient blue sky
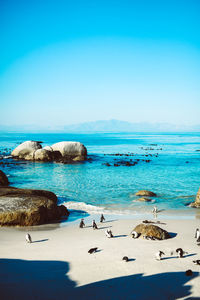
65,62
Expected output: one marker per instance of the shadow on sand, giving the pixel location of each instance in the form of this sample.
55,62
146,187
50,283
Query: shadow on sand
39,241
45,280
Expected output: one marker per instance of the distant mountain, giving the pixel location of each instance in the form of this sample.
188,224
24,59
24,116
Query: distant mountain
123,126
104,126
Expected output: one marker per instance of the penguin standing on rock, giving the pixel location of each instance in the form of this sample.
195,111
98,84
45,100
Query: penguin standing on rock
94,225
159,255
28,238
82,224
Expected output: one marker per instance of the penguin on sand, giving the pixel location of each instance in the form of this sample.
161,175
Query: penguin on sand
180,252
94,225
102,218
92,250
28,238
134,234
196,262
82,224
109,233
197,235
159,255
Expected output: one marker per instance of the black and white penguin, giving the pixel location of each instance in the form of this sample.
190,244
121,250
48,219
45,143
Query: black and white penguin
159,255
109,233
82,224
180,252
92,250
102,218
155,210
28,238
125,258
197,235
134,234
196,262
94,225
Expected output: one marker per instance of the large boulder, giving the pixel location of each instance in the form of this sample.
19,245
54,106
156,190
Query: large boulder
146,193
3,179
43,155
152,231
26,150
25,207
71,150
196,204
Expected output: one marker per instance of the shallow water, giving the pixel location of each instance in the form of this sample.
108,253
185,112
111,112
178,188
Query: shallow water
172,173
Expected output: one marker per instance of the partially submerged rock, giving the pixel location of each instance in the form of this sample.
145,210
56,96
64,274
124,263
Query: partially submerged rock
3,179
196,204
144,199
67,152
71,149
145,193
152,231
26,207
26,150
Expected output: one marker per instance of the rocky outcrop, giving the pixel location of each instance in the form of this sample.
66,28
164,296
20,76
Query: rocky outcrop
26,150
151,231
25,207
73,150
3,179
146,193
66,152
196,204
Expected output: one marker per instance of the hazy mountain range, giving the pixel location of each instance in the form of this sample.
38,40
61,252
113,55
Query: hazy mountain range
104,126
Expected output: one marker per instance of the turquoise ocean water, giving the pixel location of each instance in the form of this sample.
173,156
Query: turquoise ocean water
173,172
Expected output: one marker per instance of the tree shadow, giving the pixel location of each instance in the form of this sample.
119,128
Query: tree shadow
48,280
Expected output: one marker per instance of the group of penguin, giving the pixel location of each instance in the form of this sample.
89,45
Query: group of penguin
135,235
180,251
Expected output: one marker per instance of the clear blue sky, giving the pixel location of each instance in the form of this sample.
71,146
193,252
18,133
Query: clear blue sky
65,62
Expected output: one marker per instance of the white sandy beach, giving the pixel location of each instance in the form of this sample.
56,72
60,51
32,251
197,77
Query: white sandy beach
57,264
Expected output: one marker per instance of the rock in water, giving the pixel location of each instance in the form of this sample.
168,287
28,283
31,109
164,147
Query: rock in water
26,150
146,193
73,150
196,204
152,231
25,207
43,155
144,199
3,179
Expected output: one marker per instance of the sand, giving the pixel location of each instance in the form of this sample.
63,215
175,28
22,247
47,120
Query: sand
57,264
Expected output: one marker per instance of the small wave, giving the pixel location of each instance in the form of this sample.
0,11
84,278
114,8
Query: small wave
84,207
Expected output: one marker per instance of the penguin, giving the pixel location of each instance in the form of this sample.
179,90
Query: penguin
28,238
159,255
82,224
180,252
92,250
125,258
134,234
196,262
109,233
102,218
155,210
197,235
94,225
